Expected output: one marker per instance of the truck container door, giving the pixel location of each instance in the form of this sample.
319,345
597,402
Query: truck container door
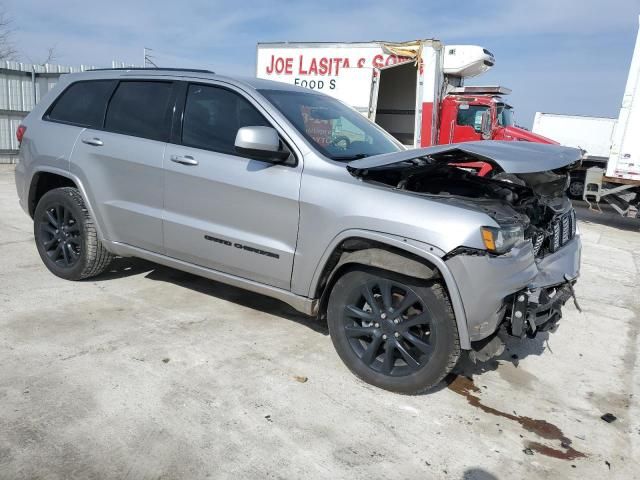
373,100
395,101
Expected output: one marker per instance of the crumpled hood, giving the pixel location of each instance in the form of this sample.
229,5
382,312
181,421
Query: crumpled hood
511,157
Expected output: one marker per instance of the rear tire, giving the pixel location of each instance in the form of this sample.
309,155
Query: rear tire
394,332
66,236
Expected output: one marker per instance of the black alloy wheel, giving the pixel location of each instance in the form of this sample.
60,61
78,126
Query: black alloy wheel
394,332
389,328
66,236
60,235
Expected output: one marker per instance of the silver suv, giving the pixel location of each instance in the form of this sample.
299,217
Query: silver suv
411,255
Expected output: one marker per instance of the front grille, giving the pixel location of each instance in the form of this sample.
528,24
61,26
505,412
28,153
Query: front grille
537,242
562,230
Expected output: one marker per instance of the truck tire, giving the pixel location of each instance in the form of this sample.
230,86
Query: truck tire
576,186
66,236
392,331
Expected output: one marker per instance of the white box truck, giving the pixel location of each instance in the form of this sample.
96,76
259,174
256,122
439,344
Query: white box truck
591,134
619,185
414,90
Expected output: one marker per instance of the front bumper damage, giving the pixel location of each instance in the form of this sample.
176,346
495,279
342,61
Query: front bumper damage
516,290
538,310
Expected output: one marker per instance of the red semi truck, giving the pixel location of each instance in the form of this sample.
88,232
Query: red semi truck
414,90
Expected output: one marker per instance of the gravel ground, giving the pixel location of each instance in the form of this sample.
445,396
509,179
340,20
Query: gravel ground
147,372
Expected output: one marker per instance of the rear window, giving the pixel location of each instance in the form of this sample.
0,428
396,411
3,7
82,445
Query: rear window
83,103
141,109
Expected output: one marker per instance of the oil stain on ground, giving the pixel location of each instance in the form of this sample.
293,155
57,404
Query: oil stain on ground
464,386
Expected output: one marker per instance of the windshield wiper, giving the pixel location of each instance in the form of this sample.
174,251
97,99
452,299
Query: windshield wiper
345,158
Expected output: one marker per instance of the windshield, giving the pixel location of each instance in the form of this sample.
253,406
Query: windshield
505,116
337,131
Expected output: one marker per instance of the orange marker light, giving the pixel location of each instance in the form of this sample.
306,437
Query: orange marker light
487,238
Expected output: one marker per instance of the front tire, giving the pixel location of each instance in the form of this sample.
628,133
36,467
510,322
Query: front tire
394,332
66,236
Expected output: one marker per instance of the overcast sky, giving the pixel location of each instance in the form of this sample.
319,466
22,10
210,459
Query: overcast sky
564,56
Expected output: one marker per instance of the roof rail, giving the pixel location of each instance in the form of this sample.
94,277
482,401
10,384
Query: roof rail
194,70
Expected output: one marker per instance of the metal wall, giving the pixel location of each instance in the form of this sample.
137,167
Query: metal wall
22,85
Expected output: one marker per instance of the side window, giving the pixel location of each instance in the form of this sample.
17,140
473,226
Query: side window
212,117
141,109
83,103
471,116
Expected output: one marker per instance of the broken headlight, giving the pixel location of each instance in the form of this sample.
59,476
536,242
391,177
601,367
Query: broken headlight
501,240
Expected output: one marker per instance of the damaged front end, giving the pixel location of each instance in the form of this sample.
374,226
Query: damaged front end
521,272
538,310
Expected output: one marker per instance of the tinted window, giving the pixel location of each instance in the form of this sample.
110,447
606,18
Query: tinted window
141,109
336,130
83,103
212,117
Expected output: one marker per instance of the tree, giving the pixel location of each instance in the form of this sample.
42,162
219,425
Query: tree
7,50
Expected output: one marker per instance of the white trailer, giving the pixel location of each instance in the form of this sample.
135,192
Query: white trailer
620,184
591,134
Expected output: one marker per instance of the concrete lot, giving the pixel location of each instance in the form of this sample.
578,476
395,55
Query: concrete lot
147,372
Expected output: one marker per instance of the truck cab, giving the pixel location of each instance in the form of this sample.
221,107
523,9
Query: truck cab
464,108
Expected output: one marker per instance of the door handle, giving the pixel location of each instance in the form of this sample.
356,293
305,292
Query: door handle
184,159
96,142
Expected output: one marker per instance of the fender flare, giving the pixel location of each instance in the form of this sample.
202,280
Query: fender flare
429,253
79,186
388,260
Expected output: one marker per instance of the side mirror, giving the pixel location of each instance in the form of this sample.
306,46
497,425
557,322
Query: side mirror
485,127
261,143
